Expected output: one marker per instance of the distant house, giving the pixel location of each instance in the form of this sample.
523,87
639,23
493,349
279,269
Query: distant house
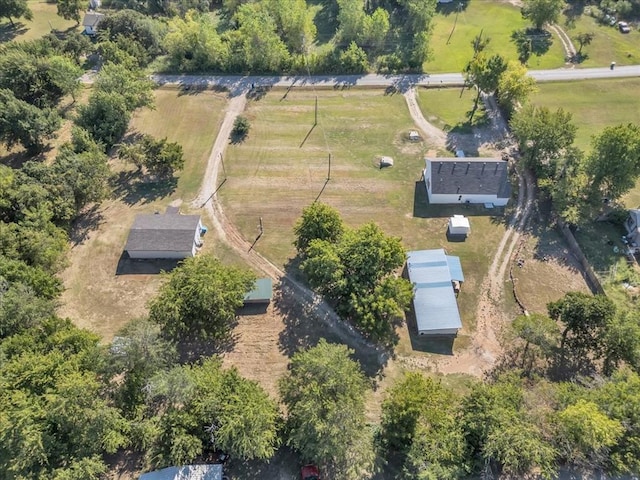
632,225
262,292
467,180
91,21
168,235
436,277
186,472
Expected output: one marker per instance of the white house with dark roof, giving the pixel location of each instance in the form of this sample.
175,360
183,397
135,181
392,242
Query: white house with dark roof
467,180
434,276
167,235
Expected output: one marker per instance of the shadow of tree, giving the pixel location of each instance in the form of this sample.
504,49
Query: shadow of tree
530,41
8,32
193,350
452,7
132,188
86,222
284,464
304,327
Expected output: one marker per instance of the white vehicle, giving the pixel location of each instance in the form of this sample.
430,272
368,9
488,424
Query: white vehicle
624,27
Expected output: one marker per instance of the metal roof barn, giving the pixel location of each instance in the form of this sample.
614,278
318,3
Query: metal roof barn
432,273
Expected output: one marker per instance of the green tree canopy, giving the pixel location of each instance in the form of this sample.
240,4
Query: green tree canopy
514,86
484,73
199,299
24,124
158,156
106,117
15,9
542,12
543,138
70,9
357,273
419,424
319,221
324,395
614,163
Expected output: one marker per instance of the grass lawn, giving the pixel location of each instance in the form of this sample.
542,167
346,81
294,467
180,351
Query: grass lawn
282,167
45,18
496,20
594,104
448,108
95,297
609,44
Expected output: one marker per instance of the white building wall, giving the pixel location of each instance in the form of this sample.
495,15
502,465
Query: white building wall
443,331
150,254
448,198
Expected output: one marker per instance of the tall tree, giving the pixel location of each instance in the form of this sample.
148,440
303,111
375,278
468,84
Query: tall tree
614,163
199,299
543,137
15,9
484,74
540,335
324,395
132,85
586,434
70,9
25,124
514,86
319,221
584,39
542,12
419,424
105,117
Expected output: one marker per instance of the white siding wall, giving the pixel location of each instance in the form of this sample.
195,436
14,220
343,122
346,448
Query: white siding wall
152,254
453,198
444,331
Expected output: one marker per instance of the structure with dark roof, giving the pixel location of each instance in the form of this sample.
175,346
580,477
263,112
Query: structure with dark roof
433,274
91,21
467,180
164,236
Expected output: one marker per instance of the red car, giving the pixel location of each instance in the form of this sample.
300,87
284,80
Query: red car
310,472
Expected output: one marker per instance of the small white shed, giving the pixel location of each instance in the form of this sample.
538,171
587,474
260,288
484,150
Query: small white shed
459,225
414,136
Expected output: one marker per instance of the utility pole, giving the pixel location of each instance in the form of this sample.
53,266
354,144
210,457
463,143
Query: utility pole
329,172
315,121
261,228
222,162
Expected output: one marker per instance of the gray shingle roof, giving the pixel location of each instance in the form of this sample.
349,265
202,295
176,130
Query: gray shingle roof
162,233
92,19
470,176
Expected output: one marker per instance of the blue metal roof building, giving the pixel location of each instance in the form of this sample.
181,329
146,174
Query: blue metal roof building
432,273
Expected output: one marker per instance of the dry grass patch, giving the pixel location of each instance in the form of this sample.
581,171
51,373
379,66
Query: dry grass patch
95,297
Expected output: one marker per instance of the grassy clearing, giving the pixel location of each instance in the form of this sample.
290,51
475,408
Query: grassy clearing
609,44
594,104
45,20
496,20
283,164
449,108
95,297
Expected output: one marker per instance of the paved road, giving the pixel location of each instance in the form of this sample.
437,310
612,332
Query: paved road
401,82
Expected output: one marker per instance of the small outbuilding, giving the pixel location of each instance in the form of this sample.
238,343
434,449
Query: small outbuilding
169,235
386,162
459,225
262,292
414,136
434,275
186,472
90,22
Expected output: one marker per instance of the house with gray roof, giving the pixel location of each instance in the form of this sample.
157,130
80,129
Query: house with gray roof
168,235
91,21
467,180
435,277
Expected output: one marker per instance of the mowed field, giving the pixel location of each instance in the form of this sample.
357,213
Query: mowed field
283,166
454,34
96,297
45,19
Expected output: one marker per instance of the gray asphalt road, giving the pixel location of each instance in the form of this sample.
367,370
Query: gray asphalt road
401,82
